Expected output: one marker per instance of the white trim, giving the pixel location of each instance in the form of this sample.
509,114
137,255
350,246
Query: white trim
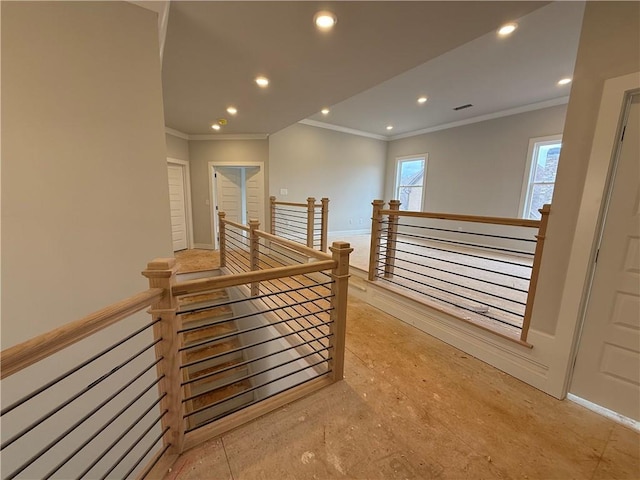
204,246
231,136
528,168
337,128
176,133
187,180
574,291
404,158
605,412
490,116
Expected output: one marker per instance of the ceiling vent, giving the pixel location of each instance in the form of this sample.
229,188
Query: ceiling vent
462,107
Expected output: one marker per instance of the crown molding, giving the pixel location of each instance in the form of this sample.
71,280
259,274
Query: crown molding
337,128
229,136
176,133
482,118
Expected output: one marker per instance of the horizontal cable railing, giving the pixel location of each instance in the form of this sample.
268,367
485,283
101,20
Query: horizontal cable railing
481,269
304,223
69,412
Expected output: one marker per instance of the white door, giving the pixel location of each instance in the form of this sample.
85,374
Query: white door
607,368
253,193
178,207
229,192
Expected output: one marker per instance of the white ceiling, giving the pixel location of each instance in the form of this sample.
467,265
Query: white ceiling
214,50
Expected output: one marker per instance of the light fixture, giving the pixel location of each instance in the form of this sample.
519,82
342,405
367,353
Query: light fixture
262,81
507,29
324,111
422,99
564,81
215,126
232,110
389,127
325,20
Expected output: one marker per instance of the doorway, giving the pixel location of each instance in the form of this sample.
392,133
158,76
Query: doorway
237,190
179,204
607,365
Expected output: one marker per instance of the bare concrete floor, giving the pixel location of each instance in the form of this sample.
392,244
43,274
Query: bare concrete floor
412,407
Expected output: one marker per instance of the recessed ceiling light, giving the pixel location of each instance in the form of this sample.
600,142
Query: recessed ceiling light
325,20
325,111
564,81
389,127
507,29
262,81
232,110
422,99
215,126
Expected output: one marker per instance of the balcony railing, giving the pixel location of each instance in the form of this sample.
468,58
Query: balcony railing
218,352
304,223
481,269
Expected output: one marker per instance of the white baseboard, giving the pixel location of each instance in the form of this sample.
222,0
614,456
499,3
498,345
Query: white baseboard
348,233
605,412
203,246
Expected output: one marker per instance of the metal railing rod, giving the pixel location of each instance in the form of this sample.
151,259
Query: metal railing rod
249,390
291,232
291,210
102,428
135,444
247,362
236,243
146,452
460,264
296,261
460,232
256,297
51,383
522,290
56,440
449,302
255,374
239,349
459,285
246,330
285,219
144,474
123,434
26,430
465,244
229,412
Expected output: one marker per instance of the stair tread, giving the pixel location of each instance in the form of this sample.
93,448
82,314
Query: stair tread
216,295
212,349
212,313
209,333
220,394
215,368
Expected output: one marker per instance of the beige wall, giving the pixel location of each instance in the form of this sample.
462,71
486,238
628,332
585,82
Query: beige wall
84,182
201,152
476,169
609,47
177,147
315,162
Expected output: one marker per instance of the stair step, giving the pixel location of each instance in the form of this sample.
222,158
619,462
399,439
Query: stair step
215,381
213,349
208,298
221,394
209,332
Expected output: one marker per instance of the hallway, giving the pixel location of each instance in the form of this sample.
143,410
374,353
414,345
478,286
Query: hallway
412,407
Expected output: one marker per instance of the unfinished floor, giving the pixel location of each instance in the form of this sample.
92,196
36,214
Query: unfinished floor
412,407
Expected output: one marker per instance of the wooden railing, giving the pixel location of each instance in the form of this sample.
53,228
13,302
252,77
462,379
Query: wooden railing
304,223
481,269
305,302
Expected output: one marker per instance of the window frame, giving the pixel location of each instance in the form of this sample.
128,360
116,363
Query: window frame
527,183
405,158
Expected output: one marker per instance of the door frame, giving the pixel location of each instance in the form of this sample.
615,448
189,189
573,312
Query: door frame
590,220
186,174
213,200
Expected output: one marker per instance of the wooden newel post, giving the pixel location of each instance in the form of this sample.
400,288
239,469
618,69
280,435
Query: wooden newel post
392,235
535,270
325,224
374,251
161,273
222,239
311,210
272,215
254,252
339,290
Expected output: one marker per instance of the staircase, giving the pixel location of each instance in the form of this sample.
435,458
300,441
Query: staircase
218,375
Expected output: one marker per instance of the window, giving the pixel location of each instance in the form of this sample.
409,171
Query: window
540,175
410,181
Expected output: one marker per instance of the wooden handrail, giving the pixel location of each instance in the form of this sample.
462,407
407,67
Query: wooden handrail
224,281
236,225
310,252
20,356
515,222
292,204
